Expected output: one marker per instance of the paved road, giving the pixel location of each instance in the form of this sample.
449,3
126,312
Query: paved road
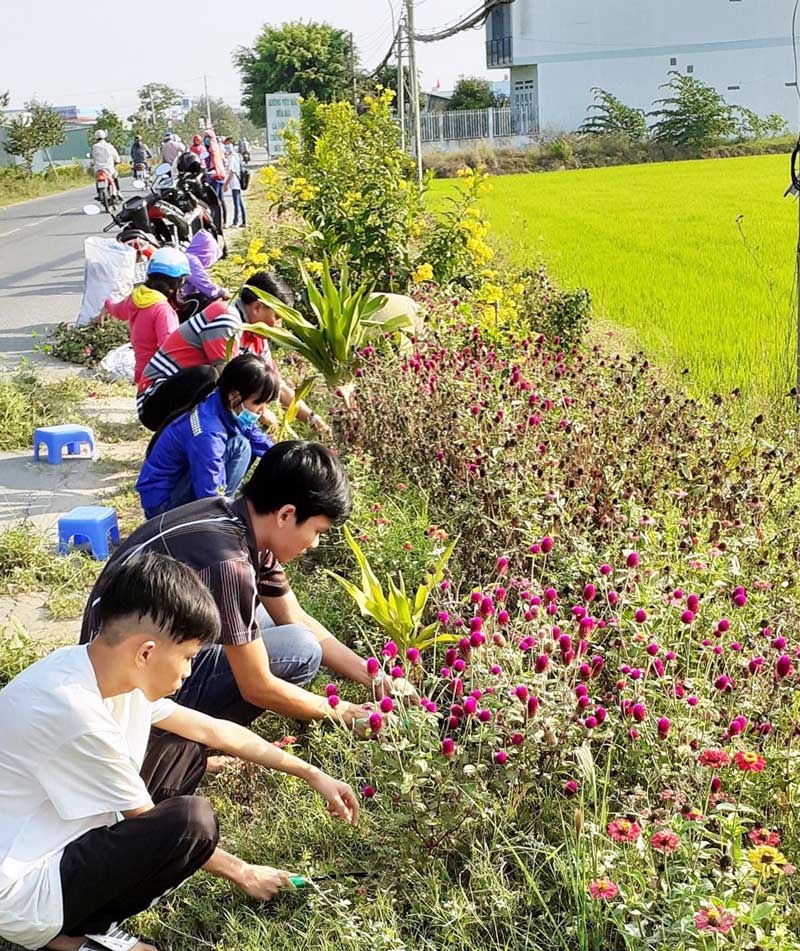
41,266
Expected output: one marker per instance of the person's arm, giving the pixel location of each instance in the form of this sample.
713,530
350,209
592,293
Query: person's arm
257,684
165,321
242,743
206,454
200,280
260,442
304,412
335,655
117,310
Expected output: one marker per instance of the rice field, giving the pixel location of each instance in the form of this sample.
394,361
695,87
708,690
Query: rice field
697,258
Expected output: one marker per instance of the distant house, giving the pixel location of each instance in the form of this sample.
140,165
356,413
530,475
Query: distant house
557,50
438,100
73,149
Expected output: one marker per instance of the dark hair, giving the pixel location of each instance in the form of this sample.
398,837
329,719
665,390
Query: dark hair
168,286
165,590
271,283
252,377
305,475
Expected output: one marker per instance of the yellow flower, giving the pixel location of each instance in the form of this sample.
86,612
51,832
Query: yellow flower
313,267
275,254
424,272
767,860
238,259
254,247
402,184
260,258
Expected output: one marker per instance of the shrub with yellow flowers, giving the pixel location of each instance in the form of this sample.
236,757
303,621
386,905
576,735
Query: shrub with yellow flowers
234,270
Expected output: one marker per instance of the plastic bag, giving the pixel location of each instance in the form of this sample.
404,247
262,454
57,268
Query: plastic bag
118,364
109,272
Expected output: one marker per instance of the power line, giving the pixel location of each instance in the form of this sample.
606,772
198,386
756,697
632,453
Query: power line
794,48
467,22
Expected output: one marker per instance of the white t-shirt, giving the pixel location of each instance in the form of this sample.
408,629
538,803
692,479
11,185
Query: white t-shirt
69,762
104,156
233,164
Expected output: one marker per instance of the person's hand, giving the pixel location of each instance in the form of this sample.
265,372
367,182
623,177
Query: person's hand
398,687
269,418
341,799
319,425
226,294
101,317
263,882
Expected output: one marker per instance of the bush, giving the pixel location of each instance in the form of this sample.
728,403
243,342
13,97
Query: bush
610,116
17,185
86,345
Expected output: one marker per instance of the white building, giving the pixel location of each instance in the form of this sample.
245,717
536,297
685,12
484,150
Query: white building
558,50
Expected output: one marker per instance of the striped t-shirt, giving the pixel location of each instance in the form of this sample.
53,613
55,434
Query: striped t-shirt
214,536
203,339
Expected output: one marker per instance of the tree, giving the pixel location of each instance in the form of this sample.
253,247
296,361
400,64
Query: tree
115,130
472,92
153,117
310,59
695,117
612,117
224,118
40,128
749,125
5,98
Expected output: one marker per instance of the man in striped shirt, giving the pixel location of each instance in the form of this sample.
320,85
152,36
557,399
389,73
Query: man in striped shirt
269,647
185,368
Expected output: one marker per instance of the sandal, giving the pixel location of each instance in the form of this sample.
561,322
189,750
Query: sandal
115,940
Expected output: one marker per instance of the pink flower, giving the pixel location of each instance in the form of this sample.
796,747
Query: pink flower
638,712
412,654
448,747
624,830
641,616
602,889
761,836
368,792
714,759
333,700
386,705
546,545
665,841
663,726
501,757
713,918
375,722
570,788
390,650
687,617
632,561
373,666
784,666
331,689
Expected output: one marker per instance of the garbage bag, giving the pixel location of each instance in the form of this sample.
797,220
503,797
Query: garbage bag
109,271
118,364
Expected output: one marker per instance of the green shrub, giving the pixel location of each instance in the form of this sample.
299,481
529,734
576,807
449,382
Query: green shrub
86,345
610,116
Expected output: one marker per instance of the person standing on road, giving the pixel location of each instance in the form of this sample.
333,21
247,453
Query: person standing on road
88,837
105,157
233,183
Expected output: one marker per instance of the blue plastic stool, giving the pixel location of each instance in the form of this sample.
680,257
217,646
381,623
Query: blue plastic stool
88,523
57,437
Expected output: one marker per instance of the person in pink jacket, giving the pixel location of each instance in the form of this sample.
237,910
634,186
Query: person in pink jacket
151,309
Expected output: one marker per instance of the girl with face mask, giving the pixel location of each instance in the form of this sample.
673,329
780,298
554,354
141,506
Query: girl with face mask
208,450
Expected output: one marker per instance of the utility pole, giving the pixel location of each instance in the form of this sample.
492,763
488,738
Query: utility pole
208,104
152,105
353,71
412,63
401,86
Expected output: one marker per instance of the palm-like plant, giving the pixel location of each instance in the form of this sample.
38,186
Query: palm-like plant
344,325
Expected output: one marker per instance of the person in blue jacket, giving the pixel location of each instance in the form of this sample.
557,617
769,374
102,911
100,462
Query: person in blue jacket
208,450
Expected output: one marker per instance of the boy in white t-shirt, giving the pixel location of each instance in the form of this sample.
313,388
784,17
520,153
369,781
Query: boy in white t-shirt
82,844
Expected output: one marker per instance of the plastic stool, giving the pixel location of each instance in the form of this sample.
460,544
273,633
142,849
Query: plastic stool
57,437
88,523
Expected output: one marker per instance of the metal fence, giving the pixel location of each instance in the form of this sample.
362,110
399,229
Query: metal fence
477,124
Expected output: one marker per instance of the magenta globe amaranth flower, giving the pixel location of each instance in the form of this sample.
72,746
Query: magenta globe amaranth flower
640,616
687,617
331,689
638,712
333,700
570,788
368,792
373,666
448,747
484,715
521,692
413,655
540,665
517,739
390,650
501,757
663,726
784,666
470,706
546,545
386,705
375,722
632,560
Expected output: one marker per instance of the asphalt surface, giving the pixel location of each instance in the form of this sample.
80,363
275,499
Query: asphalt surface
41,266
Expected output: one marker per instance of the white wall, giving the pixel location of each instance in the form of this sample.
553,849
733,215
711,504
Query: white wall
565,88
552,28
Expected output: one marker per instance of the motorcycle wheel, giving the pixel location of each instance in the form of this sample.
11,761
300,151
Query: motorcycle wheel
104,198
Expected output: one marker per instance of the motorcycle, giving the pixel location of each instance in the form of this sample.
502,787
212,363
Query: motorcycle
194,197
107,191
141,172
132,220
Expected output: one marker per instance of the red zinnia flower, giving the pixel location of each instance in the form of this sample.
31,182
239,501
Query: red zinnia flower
714,919
749,762
603,889
760,836
714,758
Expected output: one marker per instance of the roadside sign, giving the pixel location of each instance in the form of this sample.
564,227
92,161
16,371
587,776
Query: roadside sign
282,108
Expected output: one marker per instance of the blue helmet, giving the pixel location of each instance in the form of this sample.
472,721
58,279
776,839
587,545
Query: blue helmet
170,262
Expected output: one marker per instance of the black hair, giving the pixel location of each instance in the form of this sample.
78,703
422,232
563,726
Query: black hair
305,475
168,286
252,377
165,590
271,283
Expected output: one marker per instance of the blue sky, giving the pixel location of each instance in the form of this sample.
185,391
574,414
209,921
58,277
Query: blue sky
95,54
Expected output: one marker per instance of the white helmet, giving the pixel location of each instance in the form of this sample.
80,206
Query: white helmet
170,262
99,135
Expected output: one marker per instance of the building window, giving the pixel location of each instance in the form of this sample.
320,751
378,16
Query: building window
673,61
734,87
690,69
790,84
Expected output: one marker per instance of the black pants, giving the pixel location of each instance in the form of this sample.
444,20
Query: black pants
177,394
112,873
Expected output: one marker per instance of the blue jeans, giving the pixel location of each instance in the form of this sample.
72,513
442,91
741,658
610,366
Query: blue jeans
238,205
219,188
237,457
294,655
